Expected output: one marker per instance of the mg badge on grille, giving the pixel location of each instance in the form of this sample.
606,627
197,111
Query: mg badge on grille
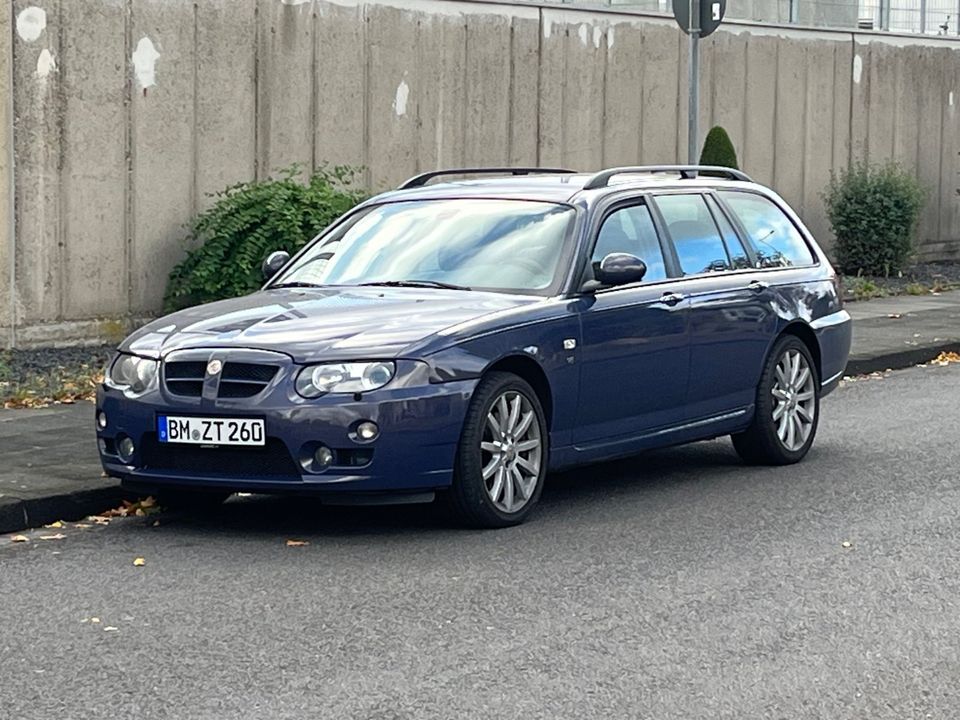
214,367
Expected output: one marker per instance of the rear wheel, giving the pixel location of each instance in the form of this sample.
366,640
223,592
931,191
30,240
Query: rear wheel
502,457
787,407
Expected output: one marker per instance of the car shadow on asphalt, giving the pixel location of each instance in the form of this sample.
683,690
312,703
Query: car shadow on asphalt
580,493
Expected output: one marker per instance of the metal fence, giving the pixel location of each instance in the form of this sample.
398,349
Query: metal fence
927,17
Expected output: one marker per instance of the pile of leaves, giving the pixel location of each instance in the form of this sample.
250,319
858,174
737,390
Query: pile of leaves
50,376
249,221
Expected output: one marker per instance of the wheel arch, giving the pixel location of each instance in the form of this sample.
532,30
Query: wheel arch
530,370
808,337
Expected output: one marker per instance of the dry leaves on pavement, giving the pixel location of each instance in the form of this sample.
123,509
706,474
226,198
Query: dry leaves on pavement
297,543
139,562
945,358
58,536
19,539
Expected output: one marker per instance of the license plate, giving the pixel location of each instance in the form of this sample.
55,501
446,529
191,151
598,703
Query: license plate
210,431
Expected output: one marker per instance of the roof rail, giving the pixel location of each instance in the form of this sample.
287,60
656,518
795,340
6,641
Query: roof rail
687,172
424,178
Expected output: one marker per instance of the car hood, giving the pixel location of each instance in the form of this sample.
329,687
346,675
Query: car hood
327,323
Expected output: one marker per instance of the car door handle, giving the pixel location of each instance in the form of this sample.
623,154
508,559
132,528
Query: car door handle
758,285
671,298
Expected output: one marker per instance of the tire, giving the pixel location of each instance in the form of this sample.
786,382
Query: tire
762,443
514,475
181,499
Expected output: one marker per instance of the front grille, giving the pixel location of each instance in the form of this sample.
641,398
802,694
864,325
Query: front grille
242,380
270,462
237,380
185,378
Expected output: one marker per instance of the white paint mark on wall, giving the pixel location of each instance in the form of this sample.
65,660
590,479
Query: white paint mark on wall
46,64
31,22
582,32
400,101
609,38
547,27
145,63
294,2
597,37
857,68
951,98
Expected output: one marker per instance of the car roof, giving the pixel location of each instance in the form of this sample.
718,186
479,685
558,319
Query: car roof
556,188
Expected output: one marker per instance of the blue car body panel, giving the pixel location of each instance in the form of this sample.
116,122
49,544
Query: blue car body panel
622,370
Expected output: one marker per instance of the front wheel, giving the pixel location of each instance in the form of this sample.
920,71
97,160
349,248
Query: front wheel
787,408
502,456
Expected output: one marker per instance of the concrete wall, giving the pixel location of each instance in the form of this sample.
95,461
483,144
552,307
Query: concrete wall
129,112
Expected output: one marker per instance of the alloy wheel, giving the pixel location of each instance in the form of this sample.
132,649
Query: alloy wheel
795,402
511,451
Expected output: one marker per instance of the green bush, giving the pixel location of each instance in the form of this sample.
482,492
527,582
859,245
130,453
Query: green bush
718,150
873,210
250,220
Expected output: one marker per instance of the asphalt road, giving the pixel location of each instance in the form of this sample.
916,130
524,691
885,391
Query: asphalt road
676,585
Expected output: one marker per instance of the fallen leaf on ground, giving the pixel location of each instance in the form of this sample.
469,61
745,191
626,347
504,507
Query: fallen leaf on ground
19,538
94,620
297,543
57,524
895,316
846,544
945,358
110,628
58,536
99,519
139,562
82,526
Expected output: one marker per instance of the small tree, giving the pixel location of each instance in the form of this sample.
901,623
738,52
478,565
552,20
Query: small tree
873,210
250,220
718,150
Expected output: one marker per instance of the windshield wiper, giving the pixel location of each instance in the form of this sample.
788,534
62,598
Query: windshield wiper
297,284
416,283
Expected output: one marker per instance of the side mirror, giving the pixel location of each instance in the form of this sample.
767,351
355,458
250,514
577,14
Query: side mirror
274,263
617,269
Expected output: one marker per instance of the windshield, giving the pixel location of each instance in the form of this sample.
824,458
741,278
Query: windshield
505,245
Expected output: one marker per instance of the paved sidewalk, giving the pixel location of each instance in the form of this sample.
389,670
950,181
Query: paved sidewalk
50,469
902,331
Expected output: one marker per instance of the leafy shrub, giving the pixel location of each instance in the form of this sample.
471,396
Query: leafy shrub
718,150
873,210
250,220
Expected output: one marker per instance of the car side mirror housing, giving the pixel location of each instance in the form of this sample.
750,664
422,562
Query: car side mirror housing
617,269
274,263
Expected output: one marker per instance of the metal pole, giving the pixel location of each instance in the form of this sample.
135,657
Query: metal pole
923,17
693,86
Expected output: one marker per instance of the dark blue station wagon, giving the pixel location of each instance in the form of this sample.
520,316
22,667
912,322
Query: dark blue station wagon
458,340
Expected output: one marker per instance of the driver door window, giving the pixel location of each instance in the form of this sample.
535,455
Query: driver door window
630,230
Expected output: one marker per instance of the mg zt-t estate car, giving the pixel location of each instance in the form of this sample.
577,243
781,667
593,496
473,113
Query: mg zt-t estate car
457,340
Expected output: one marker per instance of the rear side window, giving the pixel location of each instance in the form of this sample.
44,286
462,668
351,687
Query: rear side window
775,238
696,239
631,230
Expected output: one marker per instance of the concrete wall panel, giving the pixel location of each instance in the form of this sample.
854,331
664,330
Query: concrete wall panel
341,85
524,87
6,173
760,108
92,71
163,144
663,111
226,95
38,118
790,134
286,101
623,91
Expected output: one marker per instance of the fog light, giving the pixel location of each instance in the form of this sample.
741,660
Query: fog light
126,449
322,458
367,431
102,420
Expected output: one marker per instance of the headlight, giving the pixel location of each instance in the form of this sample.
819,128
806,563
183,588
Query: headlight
134,375
354,377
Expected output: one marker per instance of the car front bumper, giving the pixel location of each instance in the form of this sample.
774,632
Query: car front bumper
419,422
